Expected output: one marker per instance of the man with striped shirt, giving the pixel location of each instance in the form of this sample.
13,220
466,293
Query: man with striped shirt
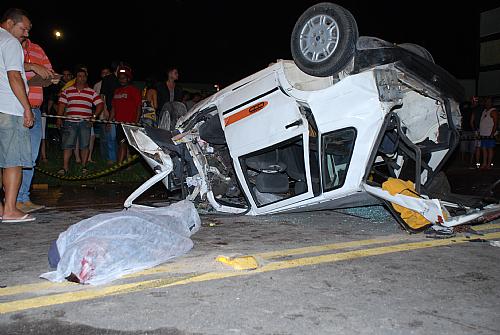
77,101
35,62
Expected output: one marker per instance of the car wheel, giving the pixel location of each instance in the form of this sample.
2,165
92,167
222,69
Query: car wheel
417,50
324,40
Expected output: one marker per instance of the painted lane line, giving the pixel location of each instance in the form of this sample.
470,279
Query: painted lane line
25,288
63,298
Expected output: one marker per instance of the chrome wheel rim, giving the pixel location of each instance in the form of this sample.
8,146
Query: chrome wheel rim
319,38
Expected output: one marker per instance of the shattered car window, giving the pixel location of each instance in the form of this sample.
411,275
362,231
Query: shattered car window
337,152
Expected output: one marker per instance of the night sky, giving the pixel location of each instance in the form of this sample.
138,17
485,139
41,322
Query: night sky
224,41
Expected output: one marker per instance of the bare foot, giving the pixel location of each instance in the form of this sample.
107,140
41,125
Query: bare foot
15,214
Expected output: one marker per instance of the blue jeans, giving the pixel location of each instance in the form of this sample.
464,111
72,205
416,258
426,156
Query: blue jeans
111,142
36,138
107,142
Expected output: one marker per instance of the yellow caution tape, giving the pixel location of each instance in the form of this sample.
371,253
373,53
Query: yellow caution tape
95,175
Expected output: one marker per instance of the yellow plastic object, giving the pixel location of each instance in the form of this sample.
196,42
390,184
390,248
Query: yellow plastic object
397,186
239,263
68,84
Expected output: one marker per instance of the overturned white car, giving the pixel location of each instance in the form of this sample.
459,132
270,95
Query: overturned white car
345,124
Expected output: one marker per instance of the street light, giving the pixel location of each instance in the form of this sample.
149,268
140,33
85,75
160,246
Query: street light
58,34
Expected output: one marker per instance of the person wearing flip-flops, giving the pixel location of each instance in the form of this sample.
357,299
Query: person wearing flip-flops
35,62
77,101
16,116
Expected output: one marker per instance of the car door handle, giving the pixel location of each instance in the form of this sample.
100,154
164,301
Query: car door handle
295,123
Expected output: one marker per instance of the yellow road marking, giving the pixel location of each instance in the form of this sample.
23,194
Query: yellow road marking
19,289
62,298
326,247
487,226
365,253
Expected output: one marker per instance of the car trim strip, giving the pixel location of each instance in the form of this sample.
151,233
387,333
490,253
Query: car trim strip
244,113
249,101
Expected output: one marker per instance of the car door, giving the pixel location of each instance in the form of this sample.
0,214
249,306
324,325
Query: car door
268,138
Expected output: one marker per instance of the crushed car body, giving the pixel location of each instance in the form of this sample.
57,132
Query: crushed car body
323,131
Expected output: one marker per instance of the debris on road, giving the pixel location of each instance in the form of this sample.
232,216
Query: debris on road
495,243
436,231
107,246
239,263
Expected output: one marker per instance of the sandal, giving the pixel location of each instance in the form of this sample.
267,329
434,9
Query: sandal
85,171
25,218
62,172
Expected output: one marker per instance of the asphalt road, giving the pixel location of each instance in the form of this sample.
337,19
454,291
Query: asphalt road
332,272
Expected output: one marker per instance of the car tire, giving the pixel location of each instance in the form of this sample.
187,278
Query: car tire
417,50
323,41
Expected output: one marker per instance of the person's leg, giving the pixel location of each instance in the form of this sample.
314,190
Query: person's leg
122,152
103,145
43,151
11,183
490,153
15,153
122,144
91,145
477,154
68,140
78,158
84,139
27,173
485,156
111,141
66,158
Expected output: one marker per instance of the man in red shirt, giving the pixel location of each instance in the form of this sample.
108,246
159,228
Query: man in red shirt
35,62
126,107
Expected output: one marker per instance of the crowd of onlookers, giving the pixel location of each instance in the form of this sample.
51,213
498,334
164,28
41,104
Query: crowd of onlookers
113,98
78,111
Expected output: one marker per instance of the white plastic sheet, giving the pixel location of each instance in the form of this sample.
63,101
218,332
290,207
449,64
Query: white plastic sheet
104,247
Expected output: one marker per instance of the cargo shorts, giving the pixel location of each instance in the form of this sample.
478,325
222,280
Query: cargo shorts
15,142
73,131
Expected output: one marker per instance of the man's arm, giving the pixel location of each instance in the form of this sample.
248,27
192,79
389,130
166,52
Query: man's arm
98,109
60,111
472,117
40,70
16,83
